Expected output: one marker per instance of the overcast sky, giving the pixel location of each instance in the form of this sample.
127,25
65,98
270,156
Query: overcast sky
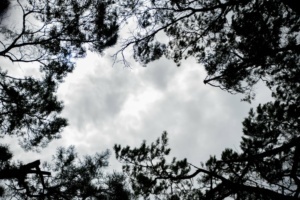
107,104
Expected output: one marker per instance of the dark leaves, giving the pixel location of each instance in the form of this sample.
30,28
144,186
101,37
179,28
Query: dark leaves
53,34
238,42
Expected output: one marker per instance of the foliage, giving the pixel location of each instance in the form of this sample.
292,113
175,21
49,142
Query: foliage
267,167
73,178
5,156
238,42
51,34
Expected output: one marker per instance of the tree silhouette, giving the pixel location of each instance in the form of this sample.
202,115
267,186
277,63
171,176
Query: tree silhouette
19,173
71,178
238,42
5,156
267,167
51,34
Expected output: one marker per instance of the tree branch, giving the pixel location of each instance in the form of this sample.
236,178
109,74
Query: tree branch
274,151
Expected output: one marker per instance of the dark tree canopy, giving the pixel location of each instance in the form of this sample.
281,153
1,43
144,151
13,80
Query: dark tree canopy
5,157
239,42
18,173
52,34
267,168
71,178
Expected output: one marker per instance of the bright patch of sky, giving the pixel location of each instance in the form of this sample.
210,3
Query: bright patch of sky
107,105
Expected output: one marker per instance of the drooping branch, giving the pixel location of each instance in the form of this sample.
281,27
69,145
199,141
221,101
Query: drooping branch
189,11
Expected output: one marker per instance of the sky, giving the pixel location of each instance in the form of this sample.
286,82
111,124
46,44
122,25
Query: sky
108,104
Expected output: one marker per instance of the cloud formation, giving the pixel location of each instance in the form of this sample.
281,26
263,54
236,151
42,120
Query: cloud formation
107,105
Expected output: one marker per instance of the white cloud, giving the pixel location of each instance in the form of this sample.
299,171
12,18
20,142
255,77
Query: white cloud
106,105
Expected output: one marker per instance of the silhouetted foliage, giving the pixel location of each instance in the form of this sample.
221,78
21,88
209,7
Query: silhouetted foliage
18,173
72,178
267,168
5,156
51,34
239,42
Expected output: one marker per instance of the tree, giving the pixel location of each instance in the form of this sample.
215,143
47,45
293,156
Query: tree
18,173
71,178
267,168
239,42
5,156
51,34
